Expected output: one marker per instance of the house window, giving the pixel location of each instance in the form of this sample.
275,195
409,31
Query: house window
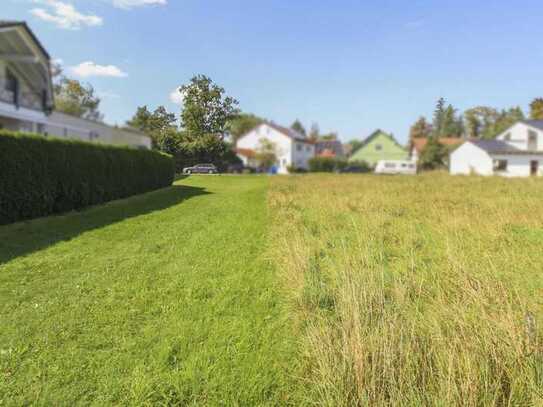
12,85
307,148
298,147
500,165
93,135
507,137
378,147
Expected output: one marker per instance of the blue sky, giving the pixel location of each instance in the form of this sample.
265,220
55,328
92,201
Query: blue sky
352,66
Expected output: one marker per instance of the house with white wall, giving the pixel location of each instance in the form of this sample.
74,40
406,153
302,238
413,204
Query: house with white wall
517,152
291,148
27,99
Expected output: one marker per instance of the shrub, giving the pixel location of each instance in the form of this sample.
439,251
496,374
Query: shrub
326,164
296,170
40,176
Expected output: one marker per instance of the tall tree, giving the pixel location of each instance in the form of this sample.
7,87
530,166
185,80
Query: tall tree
76,99
452,125
487,122
536,109
421,129
242,123
299,127
206,109
439,118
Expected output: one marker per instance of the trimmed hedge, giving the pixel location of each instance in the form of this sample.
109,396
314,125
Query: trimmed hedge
40,176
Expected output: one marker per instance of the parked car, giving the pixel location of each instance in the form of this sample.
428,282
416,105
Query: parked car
353,169
396,167
201,169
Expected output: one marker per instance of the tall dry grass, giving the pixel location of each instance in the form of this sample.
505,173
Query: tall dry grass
414,291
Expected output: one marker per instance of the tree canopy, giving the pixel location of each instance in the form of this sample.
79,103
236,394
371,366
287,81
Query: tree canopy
421,129
206,108
76,99
299,127
536,109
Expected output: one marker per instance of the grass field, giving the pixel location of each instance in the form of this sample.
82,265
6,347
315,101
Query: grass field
305,290
415,291
166,298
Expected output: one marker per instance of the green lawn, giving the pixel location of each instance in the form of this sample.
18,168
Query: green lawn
159,299
329,290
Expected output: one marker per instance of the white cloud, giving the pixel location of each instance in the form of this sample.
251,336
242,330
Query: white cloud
176,96
86,69
64,15
128,4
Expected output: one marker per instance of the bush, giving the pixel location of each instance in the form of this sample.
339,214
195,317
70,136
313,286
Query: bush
40,176
295,170
326,164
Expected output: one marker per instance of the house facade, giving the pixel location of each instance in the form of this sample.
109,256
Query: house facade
379,146
517,152
290,148
27,100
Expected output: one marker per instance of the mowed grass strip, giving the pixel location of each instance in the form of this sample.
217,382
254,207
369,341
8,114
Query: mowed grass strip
415,291
165,298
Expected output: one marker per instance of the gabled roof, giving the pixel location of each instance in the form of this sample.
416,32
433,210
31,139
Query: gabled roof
502,147
420,142
375,134
293,134
290,133
13,23
538,124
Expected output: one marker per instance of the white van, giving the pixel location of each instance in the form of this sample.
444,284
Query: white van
396,167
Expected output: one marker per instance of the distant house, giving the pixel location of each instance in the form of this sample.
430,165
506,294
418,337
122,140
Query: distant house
517,152
379,146
329,148
417,145
26,94
291,148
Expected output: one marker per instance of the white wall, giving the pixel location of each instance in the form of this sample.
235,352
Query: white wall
519,165
517,136
302,153
470,159
283,144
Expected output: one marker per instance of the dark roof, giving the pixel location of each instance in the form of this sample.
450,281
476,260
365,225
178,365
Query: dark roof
501,147
12,23
293,134
534,123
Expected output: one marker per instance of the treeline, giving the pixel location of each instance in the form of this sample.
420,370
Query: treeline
478,122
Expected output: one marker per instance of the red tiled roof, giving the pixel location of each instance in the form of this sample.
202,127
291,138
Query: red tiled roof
420,143
327,153
245,152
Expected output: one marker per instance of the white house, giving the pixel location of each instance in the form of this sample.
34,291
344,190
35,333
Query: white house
290,147
517,152
27,100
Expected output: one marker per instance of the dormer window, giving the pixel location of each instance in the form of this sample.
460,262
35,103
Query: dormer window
507,137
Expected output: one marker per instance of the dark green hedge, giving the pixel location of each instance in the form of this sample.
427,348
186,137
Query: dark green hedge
40,176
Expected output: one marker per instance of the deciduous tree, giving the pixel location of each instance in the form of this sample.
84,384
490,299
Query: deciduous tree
76,99
536,109
206,108
421,129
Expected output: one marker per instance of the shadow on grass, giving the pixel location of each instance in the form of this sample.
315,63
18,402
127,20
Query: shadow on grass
26,237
